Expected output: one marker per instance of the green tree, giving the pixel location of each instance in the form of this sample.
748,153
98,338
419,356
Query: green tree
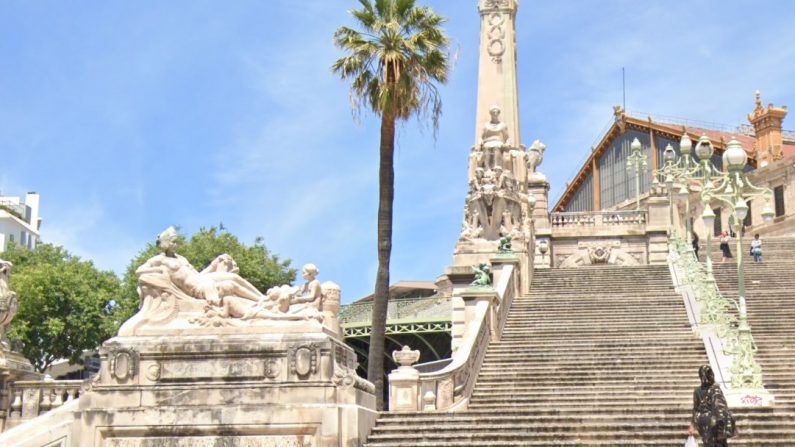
63,303
393,61
257,265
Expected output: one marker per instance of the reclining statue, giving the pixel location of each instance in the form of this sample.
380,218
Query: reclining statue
219,296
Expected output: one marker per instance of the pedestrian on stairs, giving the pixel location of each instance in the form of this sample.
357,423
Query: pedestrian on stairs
694,242
756,248
711,417
724,246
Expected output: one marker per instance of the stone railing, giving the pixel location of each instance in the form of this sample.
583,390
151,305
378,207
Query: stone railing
481,317
727,339
596,219
29,399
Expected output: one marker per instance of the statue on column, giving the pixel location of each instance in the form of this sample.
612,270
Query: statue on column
8,301
494,138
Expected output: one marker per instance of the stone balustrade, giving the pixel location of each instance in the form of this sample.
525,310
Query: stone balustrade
29,399
597,219
449,388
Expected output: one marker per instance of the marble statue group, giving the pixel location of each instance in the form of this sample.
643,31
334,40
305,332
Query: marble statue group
168,283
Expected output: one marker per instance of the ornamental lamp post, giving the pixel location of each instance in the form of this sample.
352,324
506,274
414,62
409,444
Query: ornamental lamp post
669,157
636,161
734,191
704,151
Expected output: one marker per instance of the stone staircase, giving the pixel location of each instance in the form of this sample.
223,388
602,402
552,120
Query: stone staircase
598,356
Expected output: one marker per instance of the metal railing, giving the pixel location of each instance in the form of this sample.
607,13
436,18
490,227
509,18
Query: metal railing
721,312
415,309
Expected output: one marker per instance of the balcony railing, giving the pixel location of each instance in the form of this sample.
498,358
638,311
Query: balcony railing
29,399
595,219
17,209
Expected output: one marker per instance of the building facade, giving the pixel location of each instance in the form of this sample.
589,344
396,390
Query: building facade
20,221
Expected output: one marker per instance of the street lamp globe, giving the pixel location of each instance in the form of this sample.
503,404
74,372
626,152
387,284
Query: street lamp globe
767,213
531,202
635,146
685,145
741,208
708,216
704,148
669,155
734,157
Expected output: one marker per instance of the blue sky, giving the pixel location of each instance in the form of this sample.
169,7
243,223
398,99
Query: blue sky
128,117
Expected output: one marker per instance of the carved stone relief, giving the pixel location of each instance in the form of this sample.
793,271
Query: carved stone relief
303,360
153,372
123,363
272,368
496,35
600,252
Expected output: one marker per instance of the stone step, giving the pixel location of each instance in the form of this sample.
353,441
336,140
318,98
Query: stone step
605,356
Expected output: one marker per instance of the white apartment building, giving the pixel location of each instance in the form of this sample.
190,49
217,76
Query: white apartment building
19,220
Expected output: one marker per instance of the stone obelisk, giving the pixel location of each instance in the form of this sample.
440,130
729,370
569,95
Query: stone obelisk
497,83
506,193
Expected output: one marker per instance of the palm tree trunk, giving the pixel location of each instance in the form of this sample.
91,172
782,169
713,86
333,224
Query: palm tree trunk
386,194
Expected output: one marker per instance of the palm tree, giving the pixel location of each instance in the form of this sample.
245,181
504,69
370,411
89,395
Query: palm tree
393,60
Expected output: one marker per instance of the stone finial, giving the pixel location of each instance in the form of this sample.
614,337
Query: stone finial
405,357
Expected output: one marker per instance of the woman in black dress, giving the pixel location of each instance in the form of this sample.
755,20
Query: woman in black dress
711,415
724,246
694,243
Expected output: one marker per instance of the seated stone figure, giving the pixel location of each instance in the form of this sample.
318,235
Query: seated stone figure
495,132
306,301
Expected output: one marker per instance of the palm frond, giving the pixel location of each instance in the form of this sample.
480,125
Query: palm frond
394,59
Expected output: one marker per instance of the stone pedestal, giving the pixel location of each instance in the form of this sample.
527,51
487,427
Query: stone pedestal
538,187
236,390
404,382
657,227
467,304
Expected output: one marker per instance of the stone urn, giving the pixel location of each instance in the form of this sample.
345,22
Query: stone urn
543,246
405,357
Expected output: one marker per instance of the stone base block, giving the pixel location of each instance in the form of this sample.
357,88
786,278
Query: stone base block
749,398
279,390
